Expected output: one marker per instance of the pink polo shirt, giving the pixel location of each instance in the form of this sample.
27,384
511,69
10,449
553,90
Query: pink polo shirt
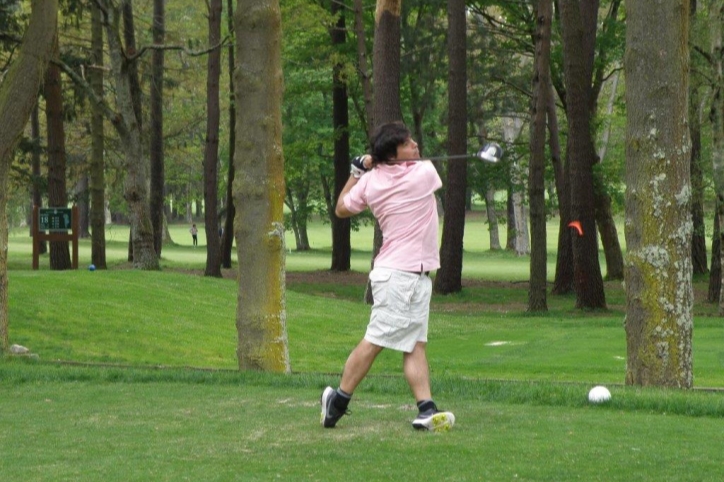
401,198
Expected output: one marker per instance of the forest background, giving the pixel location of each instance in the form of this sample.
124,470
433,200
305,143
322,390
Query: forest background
499,66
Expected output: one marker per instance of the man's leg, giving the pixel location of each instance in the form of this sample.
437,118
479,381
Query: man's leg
334,402
358,364
417,372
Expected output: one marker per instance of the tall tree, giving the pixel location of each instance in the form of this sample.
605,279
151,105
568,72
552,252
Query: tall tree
227,237
386,62
716,115
127,122
259,192
158,178
18,96
581,154
37,177
449,276
659,294
604,54
698,239
57,193
211,151
597,60
362,68
97,162
537,300
341,247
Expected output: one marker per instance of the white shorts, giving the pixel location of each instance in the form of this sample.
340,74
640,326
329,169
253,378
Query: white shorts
401,309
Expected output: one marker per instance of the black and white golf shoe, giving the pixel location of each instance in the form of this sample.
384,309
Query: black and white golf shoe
330,414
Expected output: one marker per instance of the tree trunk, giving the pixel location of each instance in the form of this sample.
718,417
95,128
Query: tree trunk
492,217
449,276
587,277
341,247
37,176
156,153
227,238
537,296
659,293
609,234
518,238
714,292
259,228
57,194
386,62
363,70
563,279
81,194
126,122
211,153
604,214
698,239
18,97
510,218
716,115
97,163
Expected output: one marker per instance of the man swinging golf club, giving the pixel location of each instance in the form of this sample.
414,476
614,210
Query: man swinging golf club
400,194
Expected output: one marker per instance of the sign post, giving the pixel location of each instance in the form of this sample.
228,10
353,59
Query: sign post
53,224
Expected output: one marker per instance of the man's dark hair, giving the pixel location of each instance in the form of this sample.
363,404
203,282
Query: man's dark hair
386,139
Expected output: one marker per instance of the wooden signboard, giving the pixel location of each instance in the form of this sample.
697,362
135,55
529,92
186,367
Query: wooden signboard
55,224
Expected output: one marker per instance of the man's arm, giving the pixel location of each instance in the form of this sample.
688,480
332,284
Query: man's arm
341,211
366,163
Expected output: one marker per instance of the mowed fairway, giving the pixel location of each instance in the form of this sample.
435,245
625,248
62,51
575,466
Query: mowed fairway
135,379
168,431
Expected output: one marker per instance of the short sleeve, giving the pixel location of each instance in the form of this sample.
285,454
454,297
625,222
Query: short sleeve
356,199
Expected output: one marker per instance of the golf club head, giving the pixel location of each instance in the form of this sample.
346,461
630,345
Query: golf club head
490,152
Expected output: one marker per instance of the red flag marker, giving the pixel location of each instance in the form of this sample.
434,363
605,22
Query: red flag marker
577,226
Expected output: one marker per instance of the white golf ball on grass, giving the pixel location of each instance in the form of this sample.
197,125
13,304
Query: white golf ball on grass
599,394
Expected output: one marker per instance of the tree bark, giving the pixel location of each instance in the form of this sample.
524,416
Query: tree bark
537,296
259,227
37,176
659,292
57,194
18,97
492,217
341,246
609,233
563,279
156,154
587,278
211,152
227,238
449,277
81,193
698,239
127,123
363,70
97,163
714,291
716,115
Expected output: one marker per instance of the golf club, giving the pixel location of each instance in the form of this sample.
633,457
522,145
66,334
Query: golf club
491,152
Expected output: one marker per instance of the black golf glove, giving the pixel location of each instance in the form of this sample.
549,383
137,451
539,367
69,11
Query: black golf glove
358,167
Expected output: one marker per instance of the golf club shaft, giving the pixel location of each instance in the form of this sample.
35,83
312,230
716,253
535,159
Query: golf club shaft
447,158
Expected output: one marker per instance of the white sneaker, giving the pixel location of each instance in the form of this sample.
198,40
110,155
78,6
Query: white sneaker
434,421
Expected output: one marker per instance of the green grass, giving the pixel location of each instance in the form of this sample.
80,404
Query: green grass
135,379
